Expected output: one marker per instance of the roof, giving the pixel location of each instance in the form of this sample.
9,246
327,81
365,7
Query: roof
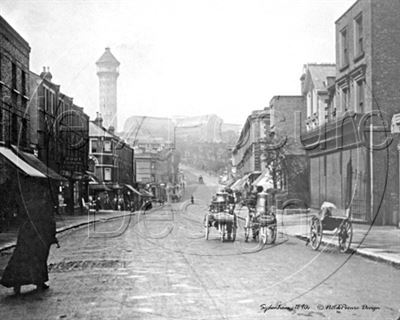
107,57
96,131
319,74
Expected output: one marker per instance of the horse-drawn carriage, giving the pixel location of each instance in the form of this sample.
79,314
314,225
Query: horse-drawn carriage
221,215
261,221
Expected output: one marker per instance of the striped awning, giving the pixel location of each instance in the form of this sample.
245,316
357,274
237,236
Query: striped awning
21,164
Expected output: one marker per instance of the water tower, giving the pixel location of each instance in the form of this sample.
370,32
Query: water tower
108,72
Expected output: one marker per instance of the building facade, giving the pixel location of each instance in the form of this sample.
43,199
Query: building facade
283,152
108,72
247,153
111,162
14,87
59,134
353,155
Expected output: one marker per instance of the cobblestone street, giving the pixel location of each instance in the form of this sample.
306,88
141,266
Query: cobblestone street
159,266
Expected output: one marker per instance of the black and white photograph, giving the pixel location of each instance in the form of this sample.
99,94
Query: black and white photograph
200,159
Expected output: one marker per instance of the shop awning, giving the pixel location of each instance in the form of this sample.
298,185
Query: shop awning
146,193
40,166
20,163
248,178
239,184
98,187
133,189
264,180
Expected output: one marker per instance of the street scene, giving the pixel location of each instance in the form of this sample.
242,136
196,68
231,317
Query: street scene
191,160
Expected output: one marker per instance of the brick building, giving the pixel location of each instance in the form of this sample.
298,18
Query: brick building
19,166
59,134
351,162
14,87
111,162
283,149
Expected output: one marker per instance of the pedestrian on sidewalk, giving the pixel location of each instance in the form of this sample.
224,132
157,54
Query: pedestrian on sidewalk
28,264
97,204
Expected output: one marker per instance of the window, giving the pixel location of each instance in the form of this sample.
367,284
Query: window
360,98
358,36
107,174
1,122
107,146
24,132
94,145
344,54
23,82
14,128
14,75
345,99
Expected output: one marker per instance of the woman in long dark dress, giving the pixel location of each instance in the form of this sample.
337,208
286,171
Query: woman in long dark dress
28,264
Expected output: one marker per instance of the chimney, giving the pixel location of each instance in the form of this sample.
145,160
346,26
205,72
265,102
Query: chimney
45,74
99,120
111,130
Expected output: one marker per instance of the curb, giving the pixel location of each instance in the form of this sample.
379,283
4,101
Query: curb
12,244
359,252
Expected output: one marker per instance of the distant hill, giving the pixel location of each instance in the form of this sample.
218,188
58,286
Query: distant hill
205,128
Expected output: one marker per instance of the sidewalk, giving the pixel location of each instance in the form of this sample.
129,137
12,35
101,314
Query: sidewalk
379,243
63,223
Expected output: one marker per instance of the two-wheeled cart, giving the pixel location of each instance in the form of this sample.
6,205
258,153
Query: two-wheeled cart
330,223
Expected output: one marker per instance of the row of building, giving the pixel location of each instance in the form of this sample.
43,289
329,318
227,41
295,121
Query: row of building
46,137
338,140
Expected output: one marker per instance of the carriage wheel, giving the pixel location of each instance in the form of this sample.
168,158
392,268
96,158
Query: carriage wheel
207,228
246,234
222,232
247,229
315,233
272,234
262,235
345,235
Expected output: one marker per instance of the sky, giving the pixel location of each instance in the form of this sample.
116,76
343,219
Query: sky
179,57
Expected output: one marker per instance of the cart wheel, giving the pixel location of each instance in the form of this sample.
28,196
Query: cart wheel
345,235
315,233
272,234
222,232
207,228
246,234
247,229
233,234
262,235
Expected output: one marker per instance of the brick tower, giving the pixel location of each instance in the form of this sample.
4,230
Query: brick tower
108,72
